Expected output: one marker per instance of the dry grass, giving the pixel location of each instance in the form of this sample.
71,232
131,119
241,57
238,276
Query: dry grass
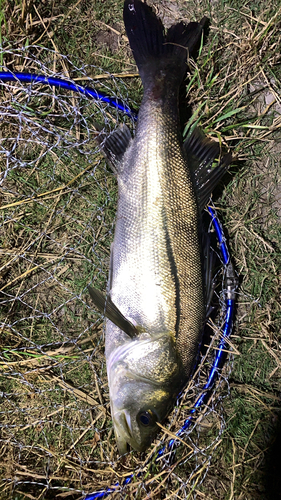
57,213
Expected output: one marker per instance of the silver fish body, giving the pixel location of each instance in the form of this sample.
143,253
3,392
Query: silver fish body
156,275
156,278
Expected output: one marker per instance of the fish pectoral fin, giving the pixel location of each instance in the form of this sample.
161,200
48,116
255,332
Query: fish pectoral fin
201,153
106,307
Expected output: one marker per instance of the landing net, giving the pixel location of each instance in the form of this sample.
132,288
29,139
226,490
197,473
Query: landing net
58,203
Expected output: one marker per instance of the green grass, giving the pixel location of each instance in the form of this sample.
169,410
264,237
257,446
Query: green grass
56,235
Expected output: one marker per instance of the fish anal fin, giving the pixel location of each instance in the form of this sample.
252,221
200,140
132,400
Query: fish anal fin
116,144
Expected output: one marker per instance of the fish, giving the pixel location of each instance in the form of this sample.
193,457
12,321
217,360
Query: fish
155,305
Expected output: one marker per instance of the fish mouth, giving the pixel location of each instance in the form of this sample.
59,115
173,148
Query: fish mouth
123,432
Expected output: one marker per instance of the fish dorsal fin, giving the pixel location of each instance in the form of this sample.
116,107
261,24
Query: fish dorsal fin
210,260
106,307
116,144
201,153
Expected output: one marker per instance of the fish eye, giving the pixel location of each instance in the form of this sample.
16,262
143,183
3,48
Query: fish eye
147,418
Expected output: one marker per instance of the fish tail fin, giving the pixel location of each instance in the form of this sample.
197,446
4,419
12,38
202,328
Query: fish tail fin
158,54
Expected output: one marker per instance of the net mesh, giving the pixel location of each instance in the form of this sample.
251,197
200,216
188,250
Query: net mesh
58,202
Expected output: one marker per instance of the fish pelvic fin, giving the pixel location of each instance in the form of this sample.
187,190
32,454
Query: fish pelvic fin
109,309
206,163
155,52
